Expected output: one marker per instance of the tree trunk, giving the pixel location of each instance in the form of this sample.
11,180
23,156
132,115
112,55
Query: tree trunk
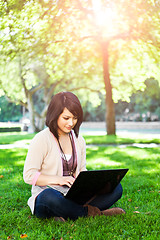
32,127
110,111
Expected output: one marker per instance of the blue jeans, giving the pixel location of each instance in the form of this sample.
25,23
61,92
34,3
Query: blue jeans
51,203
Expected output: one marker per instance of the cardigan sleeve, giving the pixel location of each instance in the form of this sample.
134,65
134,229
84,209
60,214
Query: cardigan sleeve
35,156
83,154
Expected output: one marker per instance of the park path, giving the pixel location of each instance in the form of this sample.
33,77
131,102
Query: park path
99,128
138,145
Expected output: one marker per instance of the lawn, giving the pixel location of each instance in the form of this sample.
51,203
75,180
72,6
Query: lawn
140,193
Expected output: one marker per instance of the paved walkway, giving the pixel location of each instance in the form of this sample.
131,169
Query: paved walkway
138,145
150,129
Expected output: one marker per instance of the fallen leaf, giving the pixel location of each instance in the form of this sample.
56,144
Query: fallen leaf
9,237
1,176
129,200
138,190
23,236
136,207
136,212
148,212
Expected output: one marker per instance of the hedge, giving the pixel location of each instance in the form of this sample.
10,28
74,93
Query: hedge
10,129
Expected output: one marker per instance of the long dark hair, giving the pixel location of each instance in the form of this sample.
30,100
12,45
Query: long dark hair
58,103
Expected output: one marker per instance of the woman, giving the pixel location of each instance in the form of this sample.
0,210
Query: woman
55,157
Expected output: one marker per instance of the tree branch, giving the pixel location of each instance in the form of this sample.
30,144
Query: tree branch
79,6
86,88
36,88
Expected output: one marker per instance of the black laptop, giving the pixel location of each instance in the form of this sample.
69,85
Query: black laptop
91,183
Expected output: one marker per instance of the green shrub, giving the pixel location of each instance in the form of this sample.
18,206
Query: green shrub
10,129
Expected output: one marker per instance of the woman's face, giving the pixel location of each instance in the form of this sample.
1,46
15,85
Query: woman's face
66,122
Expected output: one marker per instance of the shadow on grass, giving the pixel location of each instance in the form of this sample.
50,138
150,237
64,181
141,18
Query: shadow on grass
143,164
140,193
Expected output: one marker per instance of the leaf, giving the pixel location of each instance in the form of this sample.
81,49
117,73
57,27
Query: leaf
136,212
23,236
1,176
148,213
129,200
9,237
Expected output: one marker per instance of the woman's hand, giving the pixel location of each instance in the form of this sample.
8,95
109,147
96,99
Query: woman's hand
66,180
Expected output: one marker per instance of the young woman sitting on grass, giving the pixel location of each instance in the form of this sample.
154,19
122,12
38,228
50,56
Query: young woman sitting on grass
56,156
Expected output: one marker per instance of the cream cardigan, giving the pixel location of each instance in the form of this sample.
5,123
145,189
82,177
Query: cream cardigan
44,157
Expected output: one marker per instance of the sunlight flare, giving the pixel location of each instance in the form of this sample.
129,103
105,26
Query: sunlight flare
105,18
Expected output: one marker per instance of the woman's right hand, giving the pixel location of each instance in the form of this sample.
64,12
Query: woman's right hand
66,180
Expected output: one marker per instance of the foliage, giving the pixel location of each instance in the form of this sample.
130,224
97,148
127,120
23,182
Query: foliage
9,111
145,103
10,129
139,198
47,46
40,64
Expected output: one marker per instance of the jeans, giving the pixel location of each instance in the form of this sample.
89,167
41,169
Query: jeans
51,203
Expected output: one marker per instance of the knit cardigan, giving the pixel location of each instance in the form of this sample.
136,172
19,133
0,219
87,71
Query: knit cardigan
44,157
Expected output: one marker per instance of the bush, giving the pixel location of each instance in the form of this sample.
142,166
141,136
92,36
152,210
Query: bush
10,129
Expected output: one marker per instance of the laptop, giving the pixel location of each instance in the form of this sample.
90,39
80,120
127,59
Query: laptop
91,183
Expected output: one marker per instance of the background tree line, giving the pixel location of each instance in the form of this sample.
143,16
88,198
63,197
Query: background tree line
101,50
143,106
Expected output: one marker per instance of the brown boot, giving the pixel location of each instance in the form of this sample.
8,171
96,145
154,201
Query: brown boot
93,211
113,211
59,219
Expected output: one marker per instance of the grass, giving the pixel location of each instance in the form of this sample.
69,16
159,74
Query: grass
140,196
104,139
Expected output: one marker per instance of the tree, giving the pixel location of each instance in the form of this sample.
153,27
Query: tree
82,32
117,26
30,67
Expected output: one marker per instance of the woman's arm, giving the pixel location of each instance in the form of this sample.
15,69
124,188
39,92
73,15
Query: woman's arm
44,180
32,168
83,154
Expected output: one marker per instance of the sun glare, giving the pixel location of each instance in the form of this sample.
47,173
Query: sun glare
105,18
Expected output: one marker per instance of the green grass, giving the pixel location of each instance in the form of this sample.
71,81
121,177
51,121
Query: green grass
14,137
104,139
11,138
140,196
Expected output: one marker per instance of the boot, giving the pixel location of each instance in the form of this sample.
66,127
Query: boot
94,211
59,219
113,211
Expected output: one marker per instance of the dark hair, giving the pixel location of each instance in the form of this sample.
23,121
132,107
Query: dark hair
58,103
